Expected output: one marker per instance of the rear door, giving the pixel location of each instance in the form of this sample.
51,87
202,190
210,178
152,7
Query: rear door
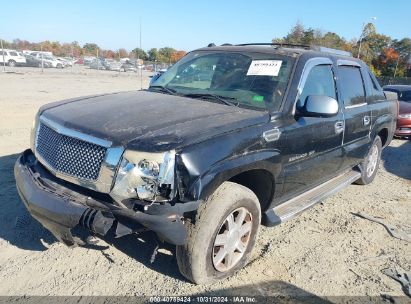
357,114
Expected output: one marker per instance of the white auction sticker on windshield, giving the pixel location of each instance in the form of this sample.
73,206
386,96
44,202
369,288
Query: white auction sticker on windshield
264,68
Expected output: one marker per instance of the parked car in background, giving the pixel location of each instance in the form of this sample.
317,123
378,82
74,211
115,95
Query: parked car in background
55,63
87,60
404,112
128,66
157,75
79,61
12,58
32,61
65,61
96,64
112,65
50,59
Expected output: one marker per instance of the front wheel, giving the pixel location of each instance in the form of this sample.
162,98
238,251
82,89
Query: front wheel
221,236
370,164
12,63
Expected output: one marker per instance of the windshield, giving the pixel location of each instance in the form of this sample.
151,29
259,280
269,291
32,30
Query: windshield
252,80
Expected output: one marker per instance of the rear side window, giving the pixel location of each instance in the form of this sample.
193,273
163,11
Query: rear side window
376,91
352,85
320,81
13,54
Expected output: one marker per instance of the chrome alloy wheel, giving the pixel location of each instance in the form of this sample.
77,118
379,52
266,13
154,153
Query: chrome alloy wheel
372,161
232,239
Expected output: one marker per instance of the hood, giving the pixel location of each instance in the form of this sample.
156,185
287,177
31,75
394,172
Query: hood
405,107
149,121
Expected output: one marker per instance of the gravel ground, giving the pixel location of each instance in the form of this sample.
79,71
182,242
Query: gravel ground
327,251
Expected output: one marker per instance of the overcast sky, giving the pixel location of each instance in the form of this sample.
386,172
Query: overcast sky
188,25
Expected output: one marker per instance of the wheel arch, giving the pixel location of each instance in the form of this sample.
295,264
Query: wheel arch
259,172
384,127
261,182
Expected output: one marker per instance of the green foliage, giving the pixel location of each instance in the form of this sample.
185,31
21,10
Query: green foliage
377,50
165,54
153,54
138,53
91,49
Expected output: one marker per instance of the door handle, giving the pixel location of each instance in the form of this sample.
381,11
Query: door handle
366,120
339,127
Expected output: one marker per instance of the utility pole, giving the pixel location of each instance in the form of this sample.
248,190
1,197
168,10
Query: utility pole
41,53
2,51
141,67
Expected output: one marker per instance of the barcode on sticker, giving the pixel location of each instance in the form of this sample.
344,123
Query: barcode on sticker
264,68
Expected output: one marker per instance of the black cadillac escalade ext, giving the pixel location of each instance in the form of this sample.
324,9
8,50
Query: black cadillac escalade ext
227,139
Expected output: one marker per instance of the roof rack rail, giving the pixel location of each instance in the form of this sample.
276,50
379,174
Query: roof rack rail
331,51
303,46
290,45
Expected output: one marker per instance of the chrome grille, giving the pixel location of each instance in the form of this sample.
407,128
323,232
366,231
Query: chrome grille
69,155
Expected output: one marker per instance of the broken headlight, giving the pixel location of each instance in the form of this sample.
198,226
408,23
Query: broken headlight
145,176
34,131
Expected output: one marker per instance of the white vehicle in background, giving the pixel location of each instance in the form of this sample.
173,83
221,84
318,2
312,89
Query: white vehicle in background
70,61
12,58
55,63
64,61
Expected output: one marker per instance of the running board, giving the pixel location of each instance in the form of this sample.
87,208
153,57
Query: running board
298,204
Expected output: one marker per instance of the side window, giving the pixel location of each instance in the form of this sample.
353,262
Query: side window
1,53
376,92
352,85
13,54
320,81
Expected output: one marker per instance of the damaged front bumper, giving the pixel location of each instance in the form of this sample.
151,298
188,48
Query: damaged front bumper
60,206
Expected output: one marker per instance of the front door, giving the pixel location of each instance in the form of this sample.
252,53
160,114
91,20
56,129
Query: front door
313,151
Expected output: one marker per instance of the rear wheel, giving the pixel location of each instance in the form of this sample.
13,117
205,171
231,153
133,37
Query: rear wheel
222,235
369,166
12,63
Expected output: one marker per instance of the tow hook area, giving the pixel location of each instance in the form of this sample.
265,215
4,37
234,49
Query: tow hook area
59,207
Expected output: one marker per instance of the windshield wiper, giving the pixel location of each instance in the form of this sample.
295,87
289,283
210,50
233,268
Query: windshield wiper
164,89
221,99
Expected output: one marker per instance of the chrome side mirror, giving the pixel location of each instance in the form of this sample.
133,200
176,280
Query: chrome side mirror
319,106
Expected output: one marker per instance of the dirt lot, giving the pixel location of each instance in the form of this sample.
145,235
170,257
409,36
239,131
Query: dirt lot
327,251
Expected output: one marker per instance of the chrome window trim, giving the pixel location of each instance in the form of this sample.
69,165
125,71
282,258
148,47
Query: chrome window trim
356,105
348,63
108,168
309,65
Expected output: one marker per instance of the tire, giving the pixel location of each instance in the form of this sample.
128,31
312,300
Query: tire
12,63
369,166
203,260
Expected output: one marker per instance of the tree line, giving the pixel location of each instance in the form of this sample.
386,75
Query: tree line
74,49
384,55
